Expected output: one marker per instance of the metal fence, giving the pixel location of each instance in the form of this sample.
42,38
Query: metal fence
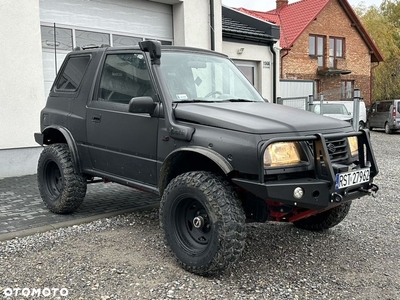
306,103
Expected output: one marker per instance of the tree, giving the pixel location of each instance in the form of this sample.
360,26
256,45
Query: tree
383,24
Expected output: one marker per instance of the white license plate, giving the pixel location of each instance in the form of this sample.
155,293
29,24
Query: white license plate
344,180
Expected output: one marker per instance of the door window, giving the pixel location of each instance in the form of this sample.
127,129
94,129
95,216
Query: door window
124,76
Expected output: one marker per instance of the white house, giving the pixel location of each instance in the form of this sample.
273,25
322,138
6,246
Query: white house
37,34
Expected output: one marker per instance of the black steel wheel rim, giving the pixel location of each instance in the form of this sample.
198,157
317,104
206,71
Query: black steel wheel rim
192,225
53,179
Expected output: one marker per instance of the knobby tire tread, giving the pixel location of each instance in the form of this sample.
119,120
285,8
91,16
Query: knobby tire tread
74,185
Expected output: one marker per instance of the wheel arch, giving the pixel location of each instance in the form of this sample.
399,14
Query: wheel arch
187,159
59,134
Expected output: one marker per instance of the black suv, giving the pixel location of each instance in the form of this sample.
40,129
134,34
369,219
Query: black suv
185,124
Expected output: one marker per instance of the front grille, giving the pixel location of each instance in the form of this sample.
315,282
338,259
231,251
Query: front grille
337,149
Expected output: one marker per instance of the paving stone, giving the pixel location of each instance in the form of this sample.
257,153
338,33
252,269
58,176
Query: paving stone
22,208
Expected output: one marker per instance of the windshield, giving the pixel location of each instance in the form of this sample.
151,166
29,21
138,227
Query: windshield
194,77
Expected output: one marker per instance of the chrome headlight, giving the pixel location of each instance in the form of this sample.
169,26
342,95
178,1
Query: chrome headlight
283,154
353,144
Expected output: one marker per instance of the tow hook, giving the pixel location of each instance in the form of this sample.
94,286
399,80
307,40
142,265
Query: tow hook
372,191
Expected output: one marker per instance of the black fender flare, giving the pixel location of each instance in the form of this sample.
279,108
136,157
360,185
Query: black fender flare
214,156
70,142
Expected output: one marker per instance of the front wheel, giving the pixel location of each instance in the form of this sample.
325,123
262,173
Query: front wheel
326,219
61,189
369,127
203,222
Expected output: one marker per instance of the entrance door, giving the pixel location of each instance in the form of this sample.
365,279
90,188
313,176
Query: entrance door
121,143
249,69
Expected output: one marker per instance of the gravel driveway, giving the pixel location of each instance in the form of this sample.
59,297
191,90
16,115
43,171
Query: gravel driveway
125,257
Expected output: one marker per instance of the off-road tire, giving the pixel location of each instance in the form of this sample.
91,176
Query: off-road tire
387,128
326,219
61,189
219,243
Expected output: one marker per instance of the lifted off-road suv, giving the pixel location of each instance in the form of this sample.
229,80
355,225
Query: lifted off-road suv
185,124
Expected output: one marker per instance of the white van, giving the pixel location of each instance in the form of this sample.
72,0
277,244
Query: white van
362,117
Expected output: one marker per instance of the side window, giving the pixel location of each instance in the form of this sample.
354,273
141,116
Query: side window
73,72
384,106
124,76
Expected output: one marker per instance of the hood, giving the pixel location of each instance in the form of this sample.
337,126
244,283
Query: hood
339,117
255,117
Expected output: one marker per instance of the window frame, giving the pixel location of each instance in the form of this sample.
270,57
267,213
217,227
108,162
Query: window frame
344,91
97,30
116,106
315,54
335,48
63,68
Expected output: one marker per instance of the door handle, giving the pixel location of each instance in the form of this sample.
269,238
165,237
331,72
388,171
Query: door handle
96,118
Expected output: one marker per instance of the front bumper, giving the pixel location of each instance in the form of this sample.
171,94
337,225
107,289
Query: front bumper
319,191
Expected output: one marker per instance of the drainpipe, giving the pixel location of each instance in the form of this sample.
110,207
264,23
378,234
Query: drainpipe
271,46
371,82
212,24
281,71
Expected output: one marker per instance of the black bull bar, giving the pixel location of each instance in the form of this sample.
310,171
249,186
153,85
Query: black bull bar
319,191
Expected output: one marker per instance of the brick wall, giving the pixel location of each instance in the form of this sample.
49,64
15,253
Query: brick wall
331,22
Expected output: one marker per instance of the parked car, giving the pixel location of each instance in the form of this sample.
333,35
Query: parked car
362,112
384,114
185,124
334,110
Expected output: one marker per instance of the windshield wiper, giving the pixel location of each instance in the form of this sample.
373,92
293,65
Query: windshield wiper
193,101
238,100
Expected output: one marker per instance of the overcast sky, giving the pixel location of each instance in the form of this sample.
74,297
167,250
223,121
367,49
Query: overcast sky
265,5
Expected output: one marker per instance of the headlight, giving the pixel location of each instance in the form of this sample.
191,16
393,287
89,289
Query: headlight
282,154
353,143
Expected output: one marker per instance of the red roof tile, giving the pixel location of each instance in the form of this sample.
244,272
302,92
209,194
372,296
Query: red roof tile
294,18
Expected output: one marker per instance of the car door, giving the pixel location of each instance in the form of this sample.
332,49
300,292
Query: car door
120,143
372,115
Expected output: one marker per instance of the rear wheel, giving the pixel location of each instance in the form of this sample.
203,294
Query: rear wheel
326,219
387,128
61,189
203,222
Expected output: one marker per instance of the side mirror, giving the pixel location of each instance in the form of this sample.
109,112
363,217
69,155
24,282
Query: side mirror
140,105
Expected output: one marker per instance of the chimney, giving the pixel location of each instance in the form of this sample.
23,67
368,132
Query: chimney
281,3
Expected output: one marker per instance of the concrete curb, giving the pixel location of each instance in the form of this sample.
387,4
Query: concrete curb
41,229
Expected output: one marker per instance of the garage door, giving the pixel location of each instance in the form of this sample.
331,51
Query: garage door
66,24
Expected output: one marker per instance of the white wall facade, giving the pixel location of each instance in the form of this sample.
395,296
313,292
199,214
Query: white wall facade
21,86
25,64
262,56
21,79
192,24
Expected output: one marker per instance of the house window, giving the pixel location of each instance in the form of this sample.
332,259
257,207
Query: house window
123,40
335,51
347,89
62,39
316,48
89,38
